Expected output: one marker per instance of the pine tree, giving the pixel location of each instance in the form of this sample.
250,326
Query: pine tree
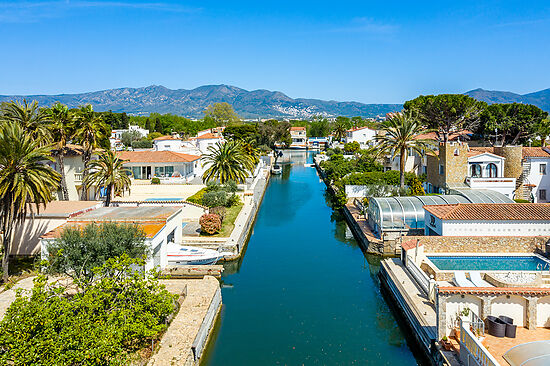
148,125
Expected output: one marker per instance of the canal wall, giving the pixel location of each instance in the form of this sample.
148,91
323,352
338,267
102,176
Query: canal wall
359,225
185,339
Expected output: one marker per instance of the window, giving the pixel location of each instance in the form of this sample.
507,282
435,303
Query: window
542,194
542,169
441,169
475,171
492,171
432,220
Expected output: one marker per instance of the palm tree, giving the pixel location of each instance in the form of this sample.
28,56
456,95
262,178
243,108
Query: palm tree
108,171
29,116
401,132
89,131
340,129
60,119
227,161
24,181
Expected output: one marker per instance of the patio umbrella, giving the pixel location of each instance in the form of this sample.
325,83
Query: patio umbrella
529,354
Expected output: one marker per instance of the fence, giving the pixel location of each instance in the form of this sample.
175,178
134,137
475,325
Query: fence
472,352
419,275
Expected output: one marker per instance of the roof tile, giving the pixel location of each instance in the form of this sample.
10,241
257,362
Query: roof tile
491,211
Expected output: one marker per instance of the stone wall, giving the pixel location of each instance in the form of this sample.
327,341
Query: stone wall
485,244
454,158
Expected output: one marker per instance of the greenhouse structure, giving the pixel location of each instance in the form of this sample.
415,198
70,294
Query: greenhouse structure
400,215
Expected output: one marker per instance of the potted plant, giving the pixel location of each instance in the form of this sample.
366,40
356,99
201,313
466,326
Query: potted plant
446,343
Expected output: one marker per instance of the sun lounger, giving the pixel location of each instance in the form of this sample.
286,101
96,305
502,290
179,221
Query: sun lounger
461,281
478,281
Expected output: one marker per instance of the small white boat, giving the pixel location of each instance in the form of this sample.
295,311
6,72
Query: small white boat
185,255
309,165
276,169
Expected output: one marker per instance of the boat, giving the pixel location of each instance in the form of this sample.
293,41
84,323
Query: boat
276,169
186,255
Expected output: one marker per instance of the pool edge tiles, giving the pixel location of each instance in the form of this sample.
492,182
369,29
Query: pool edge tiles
488,262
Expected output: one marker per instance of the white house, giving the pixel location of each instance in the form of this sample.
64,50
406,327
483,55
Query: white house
536,162
363,135
167,143
486,171
488,219
116,135
163,164
299,138
161,225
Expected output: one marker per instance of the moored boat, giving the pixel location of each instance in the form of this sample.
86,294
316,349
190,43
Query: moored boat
276,169
186,255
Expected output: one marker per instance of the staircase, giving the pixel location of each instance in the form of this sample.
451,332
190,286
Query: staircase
523,192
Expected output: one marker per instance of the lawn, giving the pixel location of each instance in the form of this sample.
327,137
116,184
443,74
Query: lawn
228,222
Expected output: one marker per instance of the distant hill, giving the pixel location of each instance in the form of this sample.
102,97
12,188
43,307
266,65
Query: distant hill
541,98
191,103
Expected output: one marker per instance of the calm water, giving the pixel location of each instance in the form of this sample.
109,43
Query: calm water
304,292
489,263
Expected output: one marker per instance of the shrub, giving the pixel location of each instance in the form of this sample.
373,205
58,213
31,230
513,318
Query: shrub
415,188
214,199
106,323
521,201
351,147
210,223
230,186
155,180
213,186
142,144
78,251
220,211
233,200
197,197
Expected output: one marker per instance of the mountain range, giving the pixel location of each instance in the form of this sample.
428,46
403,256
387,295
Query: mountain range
192,103
248,104
541,98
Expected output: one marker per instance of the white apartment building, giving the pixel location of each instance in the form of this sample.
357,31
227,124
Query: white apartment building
363,135
299,138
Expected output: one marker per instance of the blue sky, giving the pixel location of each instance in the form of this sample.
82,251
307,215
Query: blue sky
367,51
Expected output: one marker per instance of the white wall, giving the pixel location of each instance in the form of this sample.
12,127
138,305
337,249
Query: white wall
543,312
514,307
541,181
506,186
456,304
363,136
493,228
167,145
26,239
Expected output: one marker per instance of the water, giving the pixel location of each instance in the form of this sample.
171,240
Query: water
304,293
489,263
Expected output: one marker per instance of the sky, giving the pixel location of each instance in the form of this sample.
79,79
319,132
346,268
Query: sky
366,51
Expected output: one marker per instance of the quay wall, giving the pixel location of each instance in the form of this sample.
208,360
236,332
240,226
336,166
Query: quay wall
487,244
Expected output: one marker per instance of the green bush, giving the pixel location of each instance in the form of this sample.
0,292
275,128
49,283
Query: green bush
155,180
415,188
233,200
142,144
78,251
214,199
351,147
105,323
197,197
210,223
213,186
521,201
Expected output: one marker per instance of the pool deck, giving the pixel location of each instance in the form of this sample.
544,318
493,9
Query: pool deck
499,346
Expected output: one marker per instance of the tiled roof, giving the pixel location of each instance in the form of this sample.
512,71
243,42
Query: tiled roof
357,129
491,211
452,136
411,244
208,136
535,152
150,228
151,156
167,137
495,290
65,208
297,128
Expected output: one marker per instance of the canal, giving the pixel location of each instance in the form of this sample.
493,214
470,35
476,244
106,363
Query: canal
304,293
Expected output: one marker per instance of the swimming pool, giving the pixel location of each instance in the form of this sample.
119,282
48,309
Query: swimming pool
490,263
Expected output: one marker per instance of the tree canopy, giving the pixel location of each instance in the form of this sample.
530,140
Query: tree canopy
221,113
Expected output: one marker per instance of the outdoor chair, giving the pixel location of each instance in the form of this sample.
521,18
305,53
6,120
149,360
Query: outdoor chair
510,327
495,326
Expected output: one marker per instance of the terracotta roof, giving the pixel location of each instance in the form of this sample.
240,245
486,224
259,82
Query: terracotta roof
65,208
535,152
152,156
167,137
208,136
452,136
150,228
358,128
411,244
495,290
297,128
491,211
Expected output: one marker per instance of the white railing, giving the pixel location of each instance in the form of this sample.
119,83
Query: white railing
78,177
419,275
475,353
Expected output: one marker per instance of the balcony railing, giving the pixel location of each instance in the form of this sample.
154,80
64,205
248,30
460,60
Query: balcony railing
490,180
78,177
475,353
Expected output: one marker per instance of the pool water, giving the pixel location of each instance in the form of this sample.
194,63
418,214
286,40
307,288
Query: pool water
489,263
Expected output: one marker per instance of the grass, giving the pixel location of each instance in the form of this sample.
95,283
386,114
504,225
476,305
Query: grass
228,222
20,268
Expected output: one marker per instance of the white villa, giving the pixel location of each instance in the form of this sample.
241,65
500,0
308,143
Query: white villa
197,145
488,219
116,135
163,164
363,135
299,138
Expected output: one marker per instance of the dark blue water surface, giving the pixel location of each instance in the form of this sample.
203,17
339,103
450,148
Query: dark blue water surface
304,293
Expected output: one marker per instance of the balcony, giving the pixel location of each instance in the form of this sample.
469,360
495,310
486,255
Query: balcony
503,185
78,177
